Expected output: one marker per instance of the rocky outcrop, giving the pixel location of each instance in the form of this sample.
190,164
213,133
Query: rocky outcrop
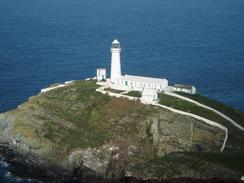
179,165
74,133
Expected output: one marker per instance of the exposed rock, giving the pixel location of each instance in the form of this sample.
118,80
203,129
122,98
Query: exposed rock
74,133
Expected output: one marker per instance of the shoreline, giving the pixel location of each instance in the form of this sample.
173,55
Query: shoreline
27,165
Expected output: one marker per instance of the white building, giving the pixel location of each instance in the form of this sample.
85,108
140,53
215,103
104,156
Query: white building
101,74
147,85
139,83
183,88
149,95
131,82
115,61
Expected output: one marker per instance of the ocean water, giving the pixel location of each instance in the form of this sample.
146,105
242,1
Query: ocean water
199,42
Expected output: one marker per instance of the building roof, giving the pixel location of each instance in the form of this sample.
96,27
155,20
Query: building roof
183,86
116,41
144,79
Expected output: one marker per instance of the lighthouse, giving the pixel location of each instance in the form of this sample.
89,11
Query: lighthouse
115,61
148,86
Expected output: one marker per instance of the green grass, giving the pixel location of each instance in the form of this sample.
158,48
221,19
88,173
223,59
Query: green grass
186,106
134,94
231,160
195,161
235,135
233,113
113,90
77,116
75,105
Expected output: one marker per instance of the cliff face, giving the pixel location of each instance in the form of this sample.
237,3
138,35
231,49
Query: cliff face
76,132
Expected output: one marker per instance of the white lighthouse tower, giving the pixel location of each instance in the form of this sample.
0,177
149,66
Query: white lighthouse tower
115,61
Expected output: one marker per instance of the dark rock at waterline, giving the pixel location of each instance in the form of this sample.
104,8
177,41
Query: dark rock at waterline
178,180
18,166
76,134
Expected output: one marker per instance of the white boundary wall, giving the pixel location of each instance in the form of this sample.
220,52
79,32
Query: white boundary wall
201,119
207,107
55,87
52,88
209,122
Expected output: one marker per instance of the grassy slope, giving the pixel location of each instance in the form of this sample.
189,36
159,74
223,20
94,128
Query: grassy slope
178,164
233,113
235,135
76,105
79,117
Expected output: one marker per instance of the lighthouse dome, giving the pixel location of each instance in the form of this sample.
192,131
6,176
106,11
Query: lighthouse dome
115,44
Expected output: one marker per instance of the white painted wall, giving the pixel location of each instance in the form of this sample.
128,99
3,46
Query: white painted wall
115,62
101,74
51,88
120,84
149,95
178,89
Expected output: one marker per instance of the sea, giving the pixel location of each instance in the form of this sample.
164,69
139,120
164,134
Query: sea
198,42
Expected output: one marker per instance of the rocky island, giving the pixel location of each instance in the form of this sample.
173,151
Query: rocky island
74,133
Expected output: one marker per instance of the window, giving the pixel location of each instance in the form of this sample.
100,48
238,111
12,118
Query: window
115,45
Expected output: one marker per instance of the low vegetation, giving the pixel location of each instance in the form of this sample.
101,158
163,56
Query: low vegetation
235,135
134,94
180,163
233,113
113,90
74,117
77,116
